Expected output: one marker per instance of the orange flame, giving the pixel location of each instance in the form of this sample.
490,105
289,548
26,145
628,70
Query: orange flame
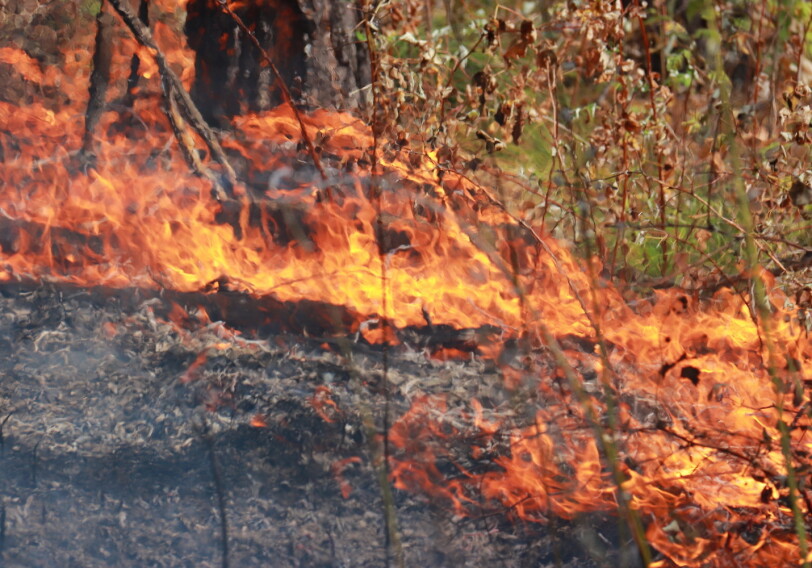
703,415
323,404
338,468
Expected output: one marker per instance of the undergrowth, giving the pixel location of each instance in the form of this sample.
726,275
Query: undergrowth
606,124
667,142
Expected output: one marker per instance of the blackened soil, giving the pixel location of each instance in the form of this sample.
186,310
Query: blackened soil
122,434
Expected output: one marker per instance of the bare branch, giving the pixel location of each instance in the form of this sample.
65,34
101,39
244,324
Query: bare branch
175,87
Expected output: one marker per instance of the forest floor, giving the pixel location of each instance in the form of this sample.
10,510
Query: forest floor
111,455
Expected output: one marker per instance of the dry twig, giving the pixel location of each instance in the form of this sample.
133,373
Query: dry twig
174,90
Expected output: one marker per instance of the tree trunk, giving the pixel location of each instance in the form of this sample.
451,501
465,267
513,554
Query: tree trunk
311,42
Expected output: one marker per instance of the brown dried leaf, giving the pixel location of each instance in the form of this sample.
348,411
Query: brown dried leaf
800,193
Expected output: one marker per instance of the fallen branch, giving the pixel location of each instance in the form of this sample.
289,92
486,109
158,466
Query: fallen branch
174,89
187,143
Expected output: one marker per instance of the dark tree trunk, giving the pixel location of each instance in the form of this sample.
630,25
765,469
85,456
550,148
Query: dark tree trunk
311,42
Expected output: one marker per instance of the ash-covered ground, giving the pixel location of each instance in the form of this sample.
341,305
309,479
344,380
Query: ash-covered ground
128,440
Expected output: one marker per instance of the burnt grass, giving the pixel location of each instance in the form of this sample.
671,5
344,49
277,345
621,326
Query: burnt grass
119,447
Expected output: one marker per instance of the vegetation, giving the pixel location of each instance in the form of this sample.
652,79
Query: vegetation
623,128
666,144
627,130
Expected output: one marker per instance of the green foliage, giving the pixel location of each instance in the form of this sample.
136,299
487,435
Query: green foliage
625,132
90,7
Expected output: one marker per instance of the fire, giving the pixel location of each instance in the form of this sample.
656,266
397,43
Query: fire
703,407
699,438
323,404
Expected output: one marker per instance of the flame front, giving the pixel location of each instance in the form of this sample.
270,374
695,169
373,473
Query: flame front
706,408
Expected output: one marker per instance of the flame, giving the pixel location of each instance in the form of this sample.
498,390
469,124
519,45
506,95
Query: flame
323,404
700,439
702,410
258,421
338,468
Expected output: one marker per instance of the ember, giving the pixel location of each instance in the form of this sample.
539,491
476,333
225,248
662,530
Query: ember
687,418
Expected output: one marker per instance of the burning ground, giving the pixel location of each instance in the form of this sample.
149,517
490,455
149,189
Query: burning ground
107,447
570,402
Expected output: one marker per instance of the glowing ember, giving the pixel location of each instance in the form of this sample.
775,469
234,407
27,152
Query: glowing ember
695,398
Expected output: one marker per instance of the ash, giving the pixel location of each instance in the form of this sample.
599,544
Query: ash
127,440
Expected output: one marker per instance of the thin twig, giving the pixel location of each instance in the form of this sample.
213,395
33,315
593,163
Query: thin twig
187,143
217,479
450,81
2,436
392,538
652,84
2,526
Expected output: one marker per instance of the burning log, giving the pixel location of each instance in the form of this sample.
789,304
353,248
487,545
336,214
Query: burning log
222,299
64,246
262,317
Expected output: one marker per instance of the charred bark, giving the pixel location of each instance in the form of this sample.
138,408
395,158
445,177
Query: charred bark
311,43
100,77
